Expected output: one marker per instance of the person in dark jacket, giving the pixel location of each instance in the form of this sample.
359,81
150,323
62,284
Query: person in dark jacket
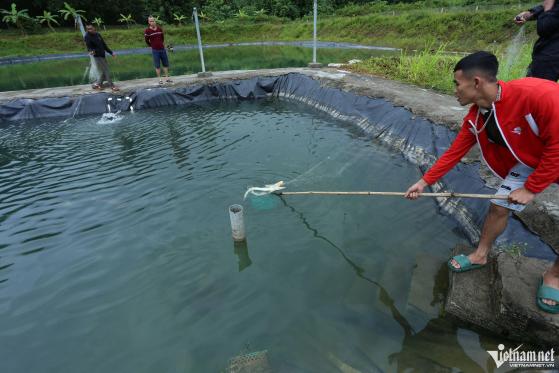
545,55
97,47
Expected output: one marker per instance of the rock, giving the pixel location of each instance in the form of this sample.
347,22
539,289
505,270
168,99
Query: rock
434,349
500,299
514,296
315,65
423,295
542,216
469,296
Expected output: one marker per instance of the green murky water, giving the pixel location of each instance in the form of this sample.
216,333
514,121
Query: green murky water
71,72
116,252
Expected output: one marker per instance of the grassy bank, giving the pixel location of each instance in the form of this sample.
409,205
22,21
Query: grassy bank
434,69
460,30
126,67
433,31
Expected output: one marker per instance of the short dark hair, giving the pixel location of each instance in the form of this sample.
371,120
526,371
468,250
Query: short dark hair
481,62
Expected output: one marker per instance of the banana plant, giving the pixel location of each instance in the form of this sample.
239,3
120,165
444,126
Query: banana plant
98,22
75,13
15,17
126,19
203,17
179,18
241,14
48,18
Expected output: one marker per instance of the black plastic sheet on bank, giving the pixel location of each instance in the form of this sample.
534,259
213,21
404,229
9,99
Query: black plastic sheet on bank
420,140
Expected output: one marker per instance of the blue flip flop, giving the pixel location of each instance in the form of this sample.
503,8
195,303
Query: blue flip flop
546,292
465,264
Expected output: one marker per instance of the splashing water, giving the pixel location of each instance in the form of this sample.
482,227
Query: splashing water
513,51
110,118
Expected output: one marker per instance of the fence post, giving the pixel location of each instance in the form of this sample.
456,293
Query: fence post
203,73
314,64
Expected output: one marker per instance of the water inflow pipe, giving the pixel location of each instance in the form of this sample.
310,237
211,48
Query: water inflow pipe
237,222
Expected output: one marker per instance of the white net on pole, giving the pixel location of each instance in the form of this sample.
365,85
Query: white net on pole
267,189
92,68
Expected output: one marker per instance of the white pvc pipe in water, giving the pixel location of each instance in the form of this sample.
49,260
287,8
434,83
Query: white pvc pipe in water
237,222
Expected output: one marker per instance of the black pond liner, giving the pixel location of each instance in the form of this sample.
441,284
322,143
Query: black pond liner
419,140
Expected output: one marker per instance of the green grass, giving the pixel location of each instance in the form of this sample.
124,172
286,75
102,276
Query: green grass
460,30
411,26
434,69
126,67
426,69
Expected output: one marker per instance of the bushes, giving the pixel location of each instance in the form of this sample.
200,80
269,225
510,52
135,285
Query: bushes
221,10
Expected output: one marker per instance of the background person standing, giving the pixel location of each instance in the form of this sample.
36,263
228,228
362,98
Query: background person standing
545,55
97,47
155,39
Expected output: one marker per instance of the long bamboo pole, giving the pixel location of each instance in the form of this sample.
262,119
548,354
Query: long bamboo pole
443,194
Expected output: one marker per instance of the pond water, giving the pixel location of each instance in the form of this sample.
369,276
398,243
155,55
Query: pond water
116,252
71,72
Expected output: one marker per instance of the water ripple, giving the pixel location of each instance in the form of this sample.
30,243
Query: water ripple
115,239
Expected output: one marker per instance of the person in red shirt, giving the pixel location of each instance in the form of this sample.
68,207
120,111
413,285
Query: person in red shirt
516,125
155,39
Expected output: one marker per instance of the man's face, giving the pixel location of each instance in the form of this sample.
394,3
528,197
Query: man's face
91,29
466,88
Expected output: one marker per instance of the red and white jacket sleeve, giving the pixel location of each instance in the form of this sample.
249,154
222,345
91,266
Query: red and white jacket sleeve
547,171
458,149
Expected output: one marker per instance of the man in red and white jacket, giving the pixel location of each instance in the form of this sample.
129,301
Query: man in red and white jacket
516,125
155,38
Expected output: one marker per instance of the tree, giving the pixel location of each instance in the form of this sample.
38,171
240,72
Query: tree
126,19
219,10
48,18
179,18
15,17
